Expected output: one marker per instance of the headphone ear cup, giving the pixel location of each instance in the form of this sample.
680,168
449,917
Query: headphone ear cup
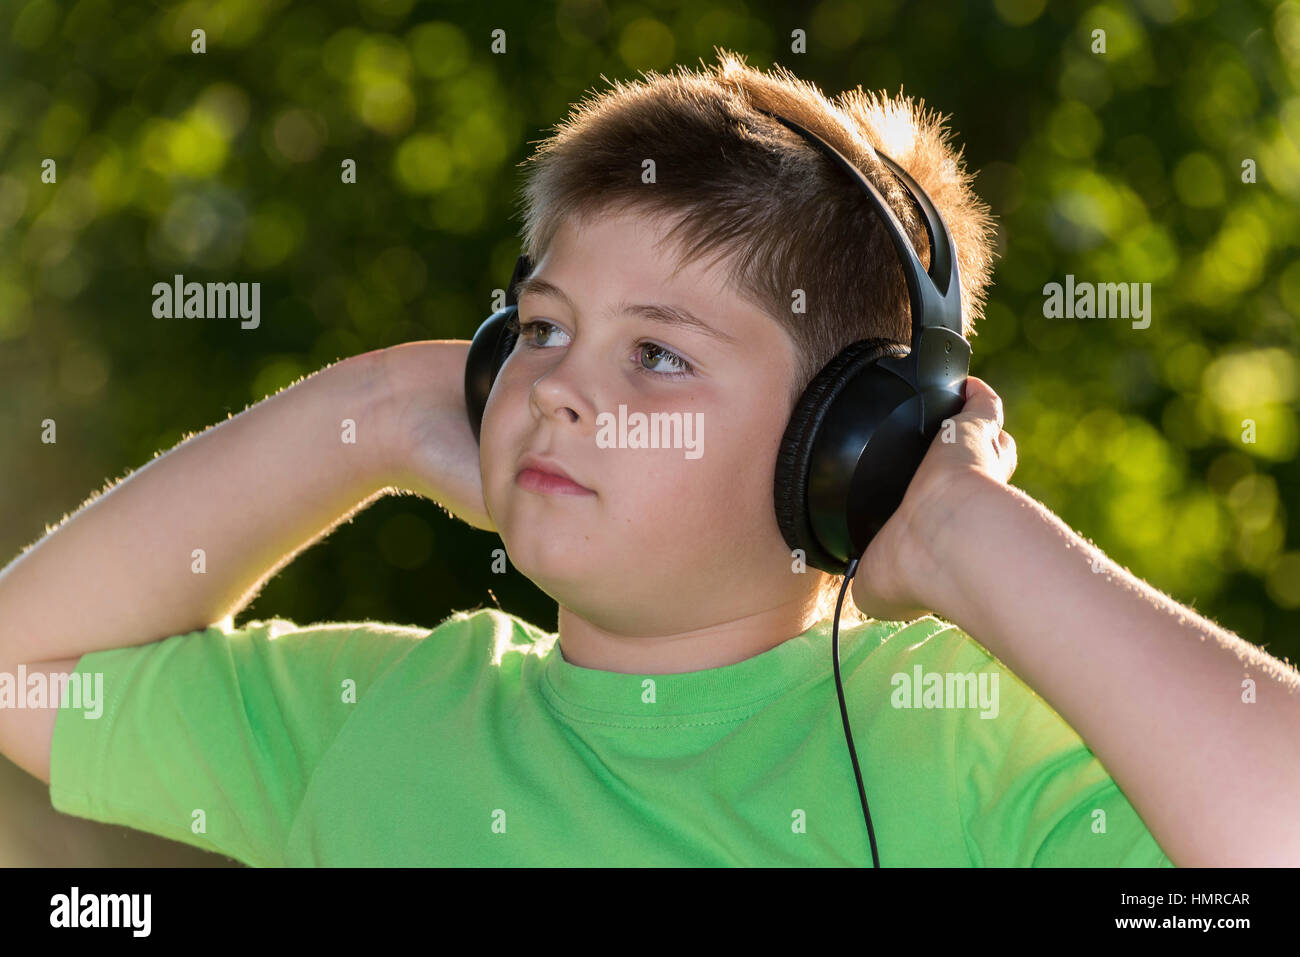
505,346
488,351
794,460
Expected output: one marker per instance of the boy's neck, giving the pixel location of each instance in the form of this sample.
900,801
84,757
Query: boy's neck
588,645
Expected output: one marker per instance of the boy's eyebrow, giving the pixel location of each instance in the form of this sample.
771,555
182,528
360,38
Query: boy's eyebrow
654,312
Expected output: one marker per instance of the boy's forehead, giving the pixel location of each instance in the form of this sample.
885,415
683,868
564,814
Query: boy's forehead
638,242
624,260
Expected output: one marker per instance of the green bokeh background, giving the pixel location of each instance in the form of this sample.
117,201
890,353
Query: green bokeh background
1125,166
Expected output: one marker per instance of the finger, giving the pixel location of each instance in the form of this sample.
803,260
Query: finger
982,402
1007,453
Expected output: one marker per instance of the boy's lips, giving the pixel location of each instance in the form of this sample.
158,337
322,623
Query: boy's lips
544,474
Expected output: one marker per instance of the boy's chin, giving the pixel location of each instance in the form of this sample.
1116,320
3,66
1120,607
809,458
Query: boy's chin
551,572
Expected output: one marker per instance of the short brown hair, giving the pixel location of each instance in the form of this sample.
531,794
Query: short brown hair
736,185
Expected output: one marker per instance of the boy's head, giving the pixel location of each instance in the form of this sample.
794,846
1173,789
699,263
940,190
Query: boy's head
675,191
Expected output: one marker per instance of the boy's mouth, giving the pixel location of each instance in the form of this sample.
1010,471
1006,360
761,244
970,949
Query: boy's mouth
539,474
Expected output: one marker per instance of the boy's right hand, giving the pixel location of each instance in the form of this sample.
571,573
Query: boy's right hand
429,444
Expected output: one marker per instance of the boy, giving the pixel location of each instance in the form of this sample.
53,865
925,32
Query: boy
684,712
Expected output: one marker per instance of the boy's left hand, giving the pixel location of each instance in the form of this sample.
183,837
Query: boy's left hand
902,563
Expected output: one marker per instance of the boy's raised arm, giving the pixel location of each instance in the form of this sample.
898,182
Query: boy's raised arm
188,539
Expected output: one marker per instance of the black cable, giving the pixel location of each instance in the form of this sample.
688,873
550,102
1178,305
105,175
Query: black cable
844,711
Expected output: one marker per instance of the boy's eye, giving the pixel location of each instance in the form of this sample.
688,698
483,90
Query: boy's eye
534,334
680,365
537,333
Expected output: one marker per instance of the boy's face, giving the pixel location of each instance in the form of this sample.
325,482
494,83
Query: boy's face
667,539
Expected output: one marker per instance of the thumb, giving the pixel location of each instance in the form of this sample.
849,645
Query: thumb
984,404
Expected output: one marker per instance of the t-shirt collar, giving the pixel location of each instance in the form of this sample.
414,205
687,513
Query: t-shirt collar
588,692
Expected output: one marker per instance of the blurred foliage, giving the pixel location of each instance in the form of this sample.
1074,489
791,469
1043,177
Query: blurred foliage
1117,167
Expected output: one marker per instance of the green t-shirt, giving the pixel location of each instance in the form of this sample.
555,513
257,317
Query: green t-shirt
478,744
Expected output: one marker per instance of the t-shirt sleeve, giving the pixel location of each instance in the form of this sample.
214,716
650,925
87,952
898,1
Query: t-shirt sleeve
211,738
1031,793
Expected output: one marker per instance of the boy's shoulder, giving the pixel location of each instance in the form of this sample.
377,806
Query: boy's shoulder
473,622
927,637
495,619
501,631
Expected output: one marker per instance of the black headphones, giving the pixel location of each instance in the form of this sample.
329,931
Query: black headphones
859,431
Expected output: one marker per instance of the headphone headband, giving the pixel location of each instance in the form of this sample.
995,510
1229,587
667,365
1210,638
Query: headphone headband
936,300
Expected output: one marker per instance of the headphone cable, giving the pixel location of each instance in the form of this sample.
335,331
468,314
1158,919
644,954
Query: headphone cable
844,711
